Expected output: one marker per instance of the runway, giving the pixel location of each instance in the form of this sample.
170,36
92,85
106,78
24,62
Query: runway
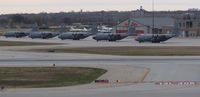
162,68
120,61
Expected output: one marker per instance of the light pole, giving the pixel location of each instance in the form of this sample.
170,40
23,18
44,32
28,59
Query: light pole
153,17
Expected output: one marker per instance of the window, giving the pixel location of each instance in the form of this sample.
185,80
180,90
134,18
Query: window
180,25
189,24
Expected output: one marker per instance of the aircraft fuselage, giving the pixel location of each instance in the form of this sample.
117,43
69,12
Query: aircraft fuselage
154,38
74,35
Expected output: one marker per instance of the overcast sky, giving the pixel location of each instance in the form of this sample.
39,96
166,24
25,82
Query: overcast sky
36,6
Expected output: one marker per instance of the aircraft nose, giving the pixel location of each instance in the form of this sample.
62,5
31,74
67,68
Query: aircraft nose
59,36
136,39
30,35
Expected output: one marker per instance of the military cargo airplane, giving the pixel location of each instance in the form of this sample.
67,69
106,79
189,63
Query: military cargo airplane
47,35
157,38
15,34
154,38
114,36
78,35
20,34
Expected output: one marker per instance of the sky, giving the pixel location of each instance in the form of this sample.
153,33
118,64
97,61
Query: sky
36,6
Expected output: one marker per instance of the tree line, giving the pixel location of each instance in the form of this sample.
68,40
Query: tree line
109,18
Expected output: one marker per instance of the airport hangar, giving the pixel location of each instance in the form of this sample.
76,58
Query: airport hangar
164,22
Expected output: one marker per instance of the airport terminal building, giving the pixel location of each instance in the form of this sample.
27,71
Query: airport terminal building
189,24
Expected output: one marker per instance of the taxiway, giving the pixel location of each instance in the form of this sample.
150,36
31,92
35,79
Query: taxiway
162,68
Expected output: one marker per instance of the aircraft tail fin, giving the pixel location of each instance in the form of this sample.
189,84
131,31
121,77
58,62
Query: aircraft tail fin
131,28
35,27
94,29
62,28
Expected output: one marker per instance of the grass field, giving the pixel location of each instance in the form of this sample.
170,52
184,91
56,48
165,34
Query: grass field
13,43
37,77
131,51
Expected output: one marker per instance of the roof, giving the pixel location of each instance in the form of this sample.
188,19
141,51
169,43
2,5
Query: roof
158,21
